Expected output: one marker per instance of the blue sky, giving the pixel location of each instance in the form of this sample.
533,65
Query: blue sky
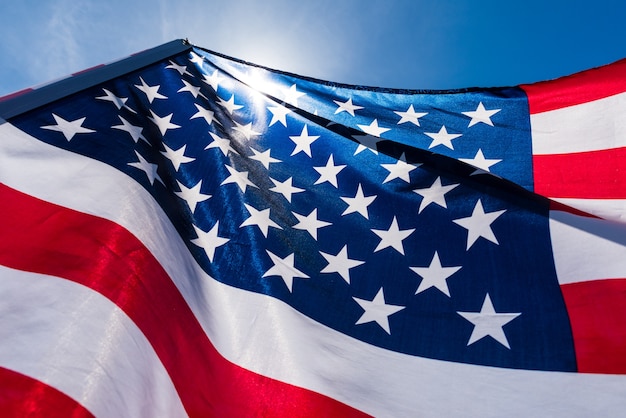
437,44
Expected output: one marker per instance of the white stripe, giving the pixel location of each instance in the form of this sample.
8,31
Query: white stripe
587,248
612,209
268,337
589,126
77,341
264,335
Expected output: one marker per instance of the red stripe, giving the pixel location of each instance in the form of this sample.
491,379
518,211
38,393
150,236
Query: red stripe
597,311
45,238
16,94
561,207
22,396
582,87
86,70
584,175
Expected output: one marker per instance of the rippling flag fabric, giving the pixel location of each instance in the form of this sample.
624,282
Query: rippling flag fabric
184,233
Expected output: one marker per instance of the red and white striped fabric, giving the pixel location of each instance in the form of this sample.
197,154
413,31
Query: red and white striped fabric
579,140
578,128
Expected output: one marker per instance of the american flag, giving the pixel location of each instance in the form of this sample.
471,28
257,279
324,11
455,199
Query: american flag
203,236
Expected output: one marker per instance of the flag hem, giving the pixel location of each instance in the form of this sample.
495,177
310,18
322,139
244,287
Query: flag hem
29,99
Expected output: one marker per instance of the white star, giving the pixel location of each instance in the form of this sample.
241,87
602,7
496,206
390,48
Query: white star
435,276
410,116
119,102
369,142
285,188
163,123
434,194
392,237
192,195
204,113
152,92
340,263
481,115
310,223
177,157
196,59
292,95
222,143
358,203
442,138
479,224
373,129
148,168
209,241
303,142
488,322
194,90
329,172
229,105
68,128
260,218
246,130
279,114
213,80
346,106
182,69
133,131
285,269
400,170
377,310
480,162
238,177
264,158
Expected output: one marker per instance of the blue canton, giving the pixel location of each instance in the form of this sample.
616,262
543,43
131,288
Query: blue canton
404,219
